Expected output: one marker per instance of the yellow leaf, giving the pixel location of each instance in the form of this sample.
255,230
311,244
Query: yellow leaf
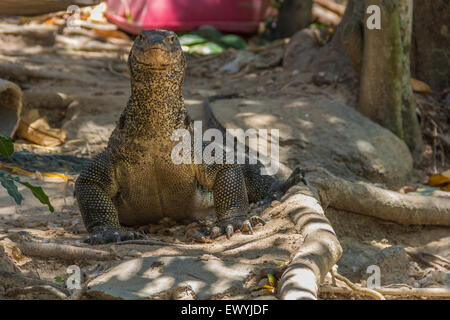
439,179
269,288
420,86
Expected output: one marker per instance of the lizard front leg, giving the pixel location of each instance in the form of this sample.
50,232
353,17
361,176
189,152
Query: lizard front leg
231,201
93,190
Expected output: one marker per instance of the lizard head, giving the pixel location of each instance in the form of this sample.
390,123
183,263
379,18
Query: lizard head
156,50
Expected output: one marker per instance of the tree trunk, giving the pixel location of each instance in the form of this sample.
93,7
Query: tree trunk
430,52
386,94
294,15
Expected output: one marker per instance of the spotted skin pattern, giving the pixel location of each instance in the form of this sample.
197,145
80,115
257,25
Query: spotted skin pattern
134,180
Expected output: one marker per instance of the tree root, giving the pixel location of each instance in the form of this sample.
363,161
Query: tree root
55,250
380,203
154,242
319,251
21,73
405,292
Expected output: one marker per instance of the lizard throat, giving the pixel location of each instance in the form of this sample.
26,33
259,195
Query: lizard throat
155,107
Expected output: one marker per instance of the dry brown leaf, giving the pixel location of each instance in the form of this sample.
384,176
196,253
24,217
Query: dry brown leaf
54,21
441,180
420,86
112,34
36,129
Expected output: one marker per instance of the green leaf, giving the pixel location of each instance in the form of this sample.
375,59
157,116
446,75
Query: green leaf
271,279
208,32
59,279
191,39
38,192
10,186
234,41
6,146
206,48
282,263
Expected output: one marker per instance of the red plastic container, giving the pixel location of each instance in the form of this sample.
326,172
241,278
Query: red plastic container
237,16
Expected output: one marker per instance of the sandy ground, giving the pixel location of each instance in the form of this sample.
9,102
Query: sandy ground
95,88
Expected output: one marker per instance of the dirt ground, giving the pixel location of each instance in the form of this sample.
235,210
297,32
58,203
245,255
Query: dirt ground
79,82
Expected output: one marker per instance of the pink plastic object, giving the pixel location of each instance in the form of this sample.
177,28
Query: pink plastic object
238,16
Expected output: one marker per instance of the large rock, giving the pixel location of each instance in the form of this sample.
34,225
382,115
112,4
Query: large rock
320,132
393,262
148,277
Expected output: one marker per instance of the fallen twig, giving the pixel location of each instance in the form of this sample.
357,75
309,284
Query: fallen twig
357,289
435,261
62,251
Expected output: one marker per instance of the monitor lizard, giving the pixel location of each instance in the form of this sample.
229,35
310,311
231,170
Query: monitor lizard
135,181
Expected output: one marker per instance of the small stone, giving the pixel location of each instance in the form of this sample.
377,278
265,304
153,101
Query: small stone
275,203
279,241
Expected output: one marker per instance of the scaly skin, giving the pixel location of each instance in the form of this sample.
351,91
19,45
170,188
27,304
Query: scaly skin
134,180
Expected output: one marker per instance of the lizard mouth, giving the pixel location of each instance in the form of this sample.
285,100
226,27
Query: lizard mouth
152,66
152,61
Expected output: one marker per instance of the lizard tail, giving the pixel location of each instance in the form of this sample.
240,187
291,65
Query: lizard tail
211,120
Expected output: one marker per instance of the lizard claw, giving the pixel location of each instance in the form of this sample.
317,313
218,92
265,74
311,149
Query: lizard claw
247,226
229,231
230,227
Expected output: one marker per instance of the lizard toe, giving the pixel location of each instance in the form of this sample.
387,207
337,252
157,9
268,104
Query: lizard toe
255,220
247,227
215,232
230,226
109,235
